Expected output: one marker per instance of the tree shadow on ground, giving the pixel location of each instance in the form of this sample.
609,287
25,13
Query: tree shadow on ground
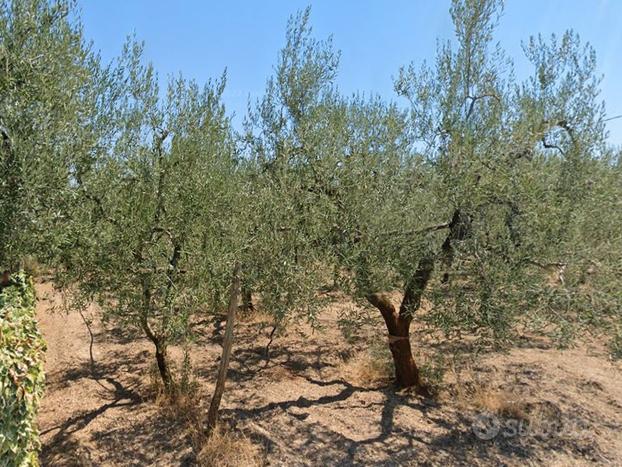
445,435
62,442
145,434
251,364
290,430
117,363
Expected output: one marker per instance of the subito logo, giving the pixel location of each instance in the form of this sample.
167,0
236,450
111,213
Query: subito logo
485,426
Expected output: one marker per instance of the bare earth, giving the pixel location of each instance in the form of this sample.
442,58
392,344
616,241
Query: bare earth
306,406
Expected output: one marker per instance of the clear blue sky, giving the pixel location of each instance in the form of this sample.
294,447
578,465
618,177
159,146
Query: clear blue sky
202,37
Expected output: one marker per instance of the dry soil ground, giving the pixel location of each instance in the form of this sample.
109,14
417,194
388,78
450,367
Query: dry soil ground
310,404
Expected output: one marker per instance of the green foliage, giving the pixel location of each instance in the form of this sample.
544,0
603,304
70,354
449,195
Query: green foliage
514,164
45,82
286,133
361,188
505,191
21,374
154,235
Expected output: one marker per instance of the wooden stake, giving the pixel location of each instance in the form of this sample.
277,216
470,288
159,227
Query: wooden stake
234,300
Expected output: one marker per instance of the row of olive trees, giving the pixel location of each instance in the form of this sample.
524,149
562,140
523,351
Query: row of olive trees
148,200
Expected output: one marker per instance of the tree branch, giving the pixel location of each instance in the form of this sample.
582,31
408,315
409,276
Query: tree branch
415,287
430,228
474,99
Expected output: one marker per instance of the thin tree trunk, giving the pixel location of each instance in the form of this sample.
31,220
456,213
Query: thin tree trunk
163,368
247,300
267,351
234,299
161,357
87,323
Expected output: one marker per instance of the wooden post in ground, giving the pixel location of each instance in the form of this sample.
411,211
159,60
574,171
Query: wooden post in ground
234,300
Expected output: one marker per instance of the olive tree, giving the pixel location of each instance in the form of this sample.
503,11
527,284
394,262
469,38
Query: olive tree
342,179
505,168
385,219
470,201
286,134
46,71
154,237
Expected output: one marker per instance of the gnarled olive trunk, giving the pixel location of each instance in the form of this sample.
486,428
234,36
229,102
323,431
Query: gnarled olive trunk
406,371
398,325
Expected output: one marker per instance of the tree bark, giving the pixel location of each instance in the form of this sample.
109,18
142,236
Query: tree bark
398,325
234,299
161,356
459,229
406,371
247,300
163,368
